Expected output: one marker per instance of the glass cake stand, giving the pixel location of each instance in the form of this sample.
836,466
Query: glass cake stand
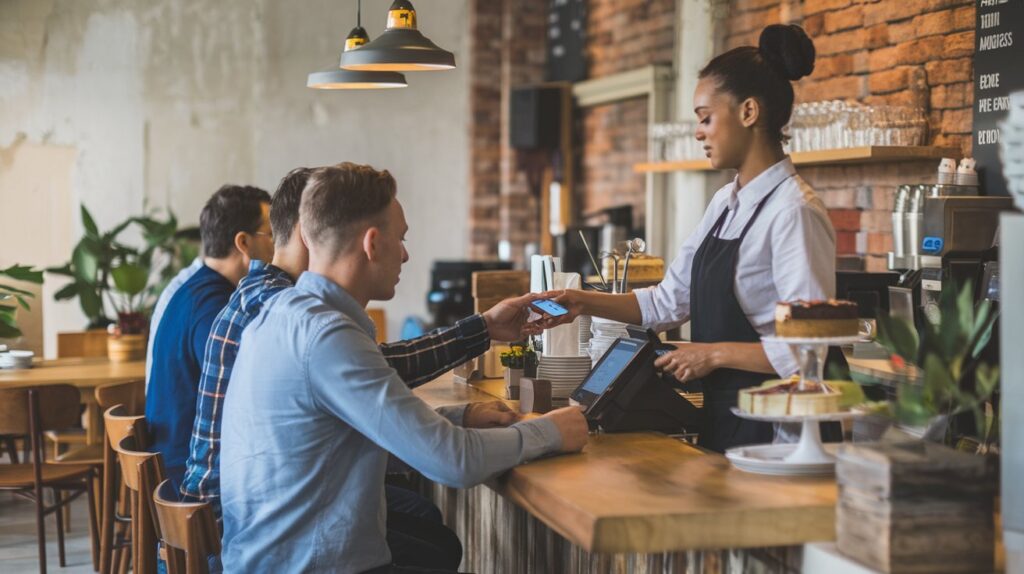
808,456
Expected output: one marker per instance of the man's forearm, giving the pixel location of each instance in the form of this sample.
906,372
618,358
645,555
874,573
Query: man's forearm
422,359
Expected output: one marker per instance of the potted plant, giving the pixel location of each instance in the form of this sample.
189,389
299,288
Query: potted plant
956,379
108,274
515,360
12,297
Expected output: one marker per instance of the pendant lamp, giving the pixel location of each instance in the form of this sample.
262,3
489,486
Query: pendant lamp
338,79
401,48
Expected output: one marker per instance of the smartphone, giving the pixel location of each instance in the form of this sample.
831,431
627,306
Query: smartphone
550,307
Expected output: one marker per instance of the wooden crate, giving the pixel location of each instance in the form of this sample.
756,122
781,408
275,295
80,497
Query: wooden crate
82,344
500,284
916,507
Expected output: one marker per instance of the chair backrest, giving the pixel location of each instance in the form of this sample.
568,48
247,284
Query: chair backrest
131,394
118,424
138,467
59,408
187,527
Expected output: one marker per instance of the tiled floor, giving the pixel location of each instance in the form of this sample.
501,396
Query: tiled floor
19,551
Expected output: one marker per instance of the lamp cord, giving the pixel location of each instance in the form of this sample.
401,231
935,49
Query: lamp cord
359,13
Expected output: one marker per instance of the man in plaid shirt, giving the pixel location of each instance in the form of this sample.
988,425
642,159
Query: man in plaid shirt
416,361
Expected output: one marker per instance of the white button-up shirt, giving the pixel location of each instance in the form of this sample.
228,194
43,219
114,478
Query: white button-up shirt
788,254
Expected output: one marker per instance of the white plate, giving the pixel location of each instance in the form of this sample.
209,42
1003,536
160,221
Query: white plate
795,418
768,459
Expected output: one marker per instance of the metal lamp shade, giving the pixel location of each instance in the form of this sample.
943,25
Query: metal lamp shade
354,80
398,50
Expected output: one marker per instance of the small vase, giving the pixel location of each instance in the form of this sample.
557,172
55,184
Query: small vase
512,377
126,348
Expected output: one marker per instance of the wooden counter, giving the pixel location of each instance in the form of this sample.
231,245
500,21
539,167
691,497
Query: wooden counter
643,493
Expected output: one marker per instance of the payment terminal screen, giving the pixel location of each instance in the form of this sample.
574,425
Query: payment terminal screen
611,365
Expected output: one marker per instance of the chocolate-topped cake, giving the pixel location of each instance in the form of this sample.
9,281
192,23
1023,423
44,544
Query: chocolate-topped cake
830,318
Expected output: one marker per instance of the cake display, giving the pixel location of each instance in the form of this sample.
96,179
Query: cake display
808,319
786,398
642,269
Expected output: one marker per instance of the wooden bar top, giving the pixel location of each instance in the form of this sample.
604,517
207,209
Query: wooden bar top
80,372
646,492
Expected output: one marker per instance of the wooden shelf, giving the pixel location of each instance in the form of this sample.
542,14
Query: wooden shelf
869,154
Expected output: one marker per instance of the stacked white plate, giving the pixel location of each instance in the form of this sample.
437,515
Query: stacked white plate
16,359
1011,148
605,332
585,334
565,374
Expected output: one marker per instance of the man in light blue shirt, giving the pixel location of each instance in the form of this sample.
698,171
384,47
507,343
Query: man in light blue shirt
307,429
161,305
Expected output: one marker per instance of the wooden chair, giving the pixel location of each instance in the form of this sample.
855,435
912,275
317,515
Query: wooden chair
188,532
141,471
115,510
30,411
133,395
74,345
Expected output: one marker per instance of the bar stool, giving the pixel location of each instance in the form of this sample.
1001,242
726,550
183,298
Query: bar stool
30,412
188,532
115,509
141,471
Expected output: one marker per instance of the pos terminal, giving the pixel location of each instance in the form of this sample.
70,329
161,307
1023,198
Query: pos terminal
624,392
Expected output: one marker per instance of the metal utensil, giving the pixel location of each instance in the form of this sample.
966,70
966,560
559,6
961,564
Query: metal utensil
593,261
635,245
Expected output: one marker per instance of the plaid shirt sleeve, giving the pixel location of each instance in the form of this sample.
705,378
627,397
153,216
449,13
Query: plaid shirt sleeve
422,359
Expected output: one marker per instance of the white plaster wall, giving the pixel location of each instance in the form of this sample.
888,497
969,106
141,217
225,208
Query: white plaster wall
160,102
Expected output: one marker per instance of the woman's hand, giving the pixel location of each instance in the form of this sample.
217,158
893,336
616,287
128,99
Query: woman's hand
571,299
688,362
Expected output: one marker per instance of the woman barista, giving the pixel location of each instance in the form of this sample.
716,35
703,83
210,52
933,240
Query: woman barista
765,237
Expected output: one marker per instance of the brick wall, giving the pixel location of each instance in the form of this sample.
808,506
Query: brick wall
899,52
622,35
507,46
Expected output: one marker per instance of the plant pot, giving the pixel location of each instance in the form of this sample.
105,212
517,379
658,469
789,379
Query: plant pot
126,348
512,377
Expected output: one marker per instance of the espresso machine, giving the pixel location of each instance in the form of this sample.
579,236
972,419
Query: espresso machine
945,231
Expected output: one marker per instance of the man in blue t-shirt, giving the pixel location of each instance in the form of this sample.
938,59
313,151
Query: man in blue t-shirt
235,229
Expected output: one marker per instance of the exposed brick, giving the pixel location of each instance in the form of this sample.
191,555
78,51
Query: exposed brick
879,242
814,24
876,221
920,51
845,219
883,59
933,23
891,80
959,44
876,264
844,19
846,242
892,10
824,6
848,41
832,88
949,71
957,121
860,62
839,65
964,18
878,35
951,96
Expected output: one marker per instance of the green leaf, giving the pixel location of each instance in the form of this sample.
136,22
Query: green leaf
89,223
15,290
67,292
23,273
62,270
938,380
984,325
986,380
899,337
23,302
85,263
965,305
8,331
92,304
130,279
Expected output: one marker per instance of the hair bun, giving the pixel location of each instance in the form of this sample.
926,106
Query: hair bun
788,49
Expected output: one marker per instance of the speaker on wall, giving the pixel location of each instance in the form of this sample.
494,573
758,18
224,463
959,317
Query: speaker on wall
535,116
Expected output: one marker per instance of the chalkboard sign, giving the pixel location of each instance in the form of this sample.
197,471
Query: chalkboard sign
998,70
567,37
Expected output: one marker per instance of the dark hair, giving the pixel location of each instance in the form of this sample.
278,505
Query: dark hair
284,208
339,198
232,209
784,54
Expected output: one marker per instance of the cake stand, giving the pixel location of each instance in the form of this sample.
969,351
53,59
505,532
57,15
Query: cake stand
809,456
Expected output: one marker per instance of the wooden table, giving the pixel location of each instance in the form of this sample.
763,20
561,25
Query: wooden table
635,494
85,374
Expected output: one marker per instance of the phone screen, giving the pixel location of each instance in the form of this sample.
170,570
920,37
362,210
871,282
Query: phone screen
550,307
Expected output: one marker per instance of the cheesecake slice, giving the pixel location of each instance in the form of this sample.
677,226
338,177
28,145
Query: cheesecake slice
812,319
786,398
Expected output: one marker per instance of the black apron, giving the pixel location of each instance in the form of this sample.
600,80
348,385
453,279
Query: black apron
716,317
